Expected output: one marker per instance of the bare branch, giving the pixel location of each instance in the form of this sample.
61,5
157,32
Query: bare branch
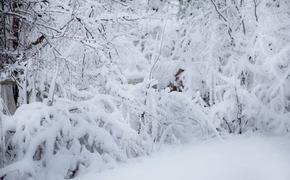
219,13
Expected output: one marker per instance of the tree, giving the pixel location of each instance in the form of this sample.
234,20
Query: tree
9,38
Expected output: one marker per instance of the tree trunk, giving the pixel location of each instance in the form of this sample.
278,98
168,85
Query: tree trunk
7,94
9,49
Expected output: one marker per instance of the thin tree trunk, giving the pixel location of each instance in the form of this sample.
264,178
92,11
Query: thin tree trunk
15,26
52,88
3,25
2,141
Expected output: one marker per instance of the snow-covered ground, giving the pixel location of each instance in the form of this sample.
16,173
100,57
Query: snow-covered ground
235,158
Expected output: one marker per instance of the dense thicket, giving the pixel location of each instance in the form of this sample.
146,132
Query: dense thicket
101,81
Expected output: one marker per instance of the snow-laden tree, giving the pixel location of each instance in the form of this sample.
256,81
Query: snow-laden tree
232,60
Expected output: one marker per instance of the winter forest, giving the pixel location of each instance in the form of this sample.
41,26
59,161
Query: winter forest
123,89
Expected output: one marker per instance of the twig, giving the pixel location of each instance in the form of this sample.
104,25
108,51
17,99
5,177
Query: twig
256,5
219,13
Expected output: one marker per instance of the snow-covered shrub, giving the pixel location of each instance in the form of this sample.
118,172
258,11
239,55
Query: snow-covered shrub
180,120
59,141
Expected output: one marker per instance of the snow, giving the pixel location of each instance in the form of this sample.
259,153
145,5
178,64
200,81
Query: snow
99,84
234,158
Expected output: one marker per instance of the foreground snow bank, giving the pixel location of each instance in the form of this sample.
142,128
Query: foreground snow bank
236,158
61,141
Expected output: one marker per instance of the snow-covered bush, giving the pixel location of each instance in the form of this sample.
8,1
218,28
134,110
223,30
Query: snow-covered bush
62,140
59,141
180,120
